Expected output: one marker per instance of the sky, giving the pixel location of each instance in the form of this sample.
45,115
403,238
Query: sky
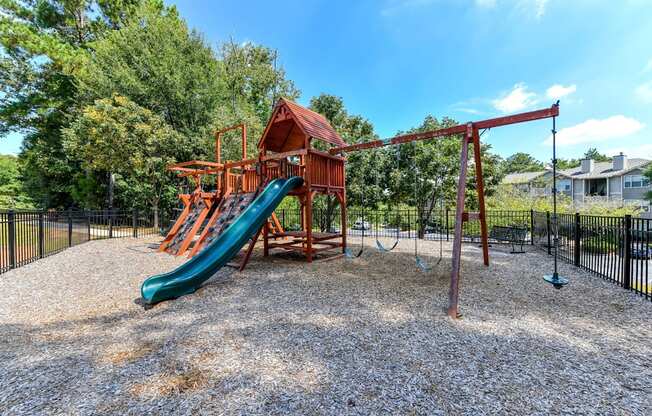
396,61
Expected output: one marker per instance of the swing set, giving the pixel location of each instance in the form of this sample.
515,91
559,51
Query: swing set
470,136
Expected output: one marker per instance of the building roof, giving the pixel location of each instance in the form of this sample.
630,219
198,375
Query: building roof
604,169
290,123
600,170
522,177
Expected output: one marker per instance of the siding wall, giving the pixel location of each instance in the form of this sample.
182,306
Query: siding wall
578,190
635,193
615,187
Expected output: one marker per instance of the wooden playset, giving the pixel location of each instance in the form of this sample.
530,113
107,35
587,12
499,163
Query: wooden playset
286,150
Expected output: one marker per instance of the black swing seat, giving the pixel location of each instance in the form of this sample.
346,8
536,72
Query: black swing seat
512,234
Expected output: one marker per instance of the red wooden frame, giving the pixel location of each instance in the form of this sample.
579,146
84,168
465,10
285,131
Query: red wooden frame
470,135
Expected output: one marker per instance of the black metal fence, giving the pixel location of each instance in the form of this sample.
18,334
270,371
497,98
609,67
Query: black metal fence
615,248
26,236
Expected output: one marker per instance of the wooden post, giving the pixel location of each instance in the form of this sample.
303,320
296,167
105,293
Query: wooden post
343,224
266,239
244,141
480,189
453,293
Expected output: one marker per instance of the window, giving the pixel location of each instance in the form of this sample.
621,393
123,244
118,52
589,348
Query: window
636,181
564,185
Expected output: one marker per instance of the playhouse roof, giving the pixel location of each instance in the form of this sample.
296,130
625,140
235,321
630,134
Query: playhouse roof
290,123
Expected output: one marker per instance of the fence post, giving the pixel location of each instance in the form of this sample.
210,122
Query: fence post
578,237
11,223
134,223
69,228
548,230
446,214
532,227
627,254
88,225
41,236
111,222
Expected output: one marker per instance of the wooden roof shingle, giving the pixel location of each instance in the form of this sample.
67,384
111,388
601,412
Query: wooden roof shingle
309,123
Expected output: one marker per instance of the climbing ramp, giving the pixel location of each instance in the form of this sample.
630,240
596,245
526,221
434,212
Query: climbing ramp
182,236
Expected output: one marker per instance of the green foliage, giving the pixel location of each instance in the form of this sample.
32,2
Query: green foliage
521,162
117,135
593,153
12,194
648,174
567,163
159,64
43,43
509,198
599,244
253,83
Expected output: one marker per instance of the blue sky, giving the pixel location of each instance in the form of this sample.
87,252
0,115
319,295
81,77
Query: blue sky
395,61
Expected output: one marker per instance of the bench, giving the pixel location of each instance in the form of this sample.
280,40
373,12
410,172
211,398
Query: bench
512,234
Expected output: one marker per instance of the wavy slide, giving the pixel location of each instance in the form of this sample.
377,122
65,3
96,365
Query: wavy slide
189,276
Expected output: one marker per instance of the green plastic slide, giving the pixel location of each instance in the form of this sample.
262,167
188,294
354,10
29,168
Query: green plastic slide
189,276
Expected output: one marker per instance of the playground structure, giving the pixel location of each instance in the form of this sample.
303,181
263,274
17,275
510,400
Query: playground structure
285,153
285,150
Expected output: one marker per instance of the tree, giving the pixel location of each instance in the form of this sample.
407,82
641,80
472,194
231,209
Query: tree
521,162
567,163
12,194
363,169
253,83
118,136
428,171
648,175
43,43
161,65
593,153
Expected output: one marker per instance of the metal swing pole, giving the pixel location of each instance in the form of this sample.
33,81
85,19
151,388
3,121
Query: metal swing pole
557,281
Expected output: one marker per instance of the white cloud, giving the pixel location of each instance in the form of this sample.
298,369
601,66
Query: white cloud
648,66
486,3
468,110
558,91
535,7
644,91
643,151
517,99
394,6
540,7
592,131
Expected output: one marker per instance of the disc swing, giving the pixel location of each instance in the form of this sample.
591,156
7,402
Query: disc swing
379,245
421,264
555,279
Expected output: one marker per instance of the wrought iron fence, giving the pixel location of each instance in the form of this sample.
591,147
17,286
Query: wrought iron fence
614,248
26,236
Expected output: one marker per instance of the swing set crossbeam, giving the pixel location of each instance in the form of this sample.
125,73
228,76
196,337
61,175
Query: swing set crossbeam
451,131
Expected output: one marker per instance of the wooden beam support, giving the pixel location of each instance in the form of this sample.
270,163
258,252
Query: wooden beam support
450,131
453,293
479,185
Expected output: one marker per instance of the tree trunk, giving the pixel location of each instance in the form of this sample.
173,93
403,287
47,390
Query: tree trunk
155,210
111,186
